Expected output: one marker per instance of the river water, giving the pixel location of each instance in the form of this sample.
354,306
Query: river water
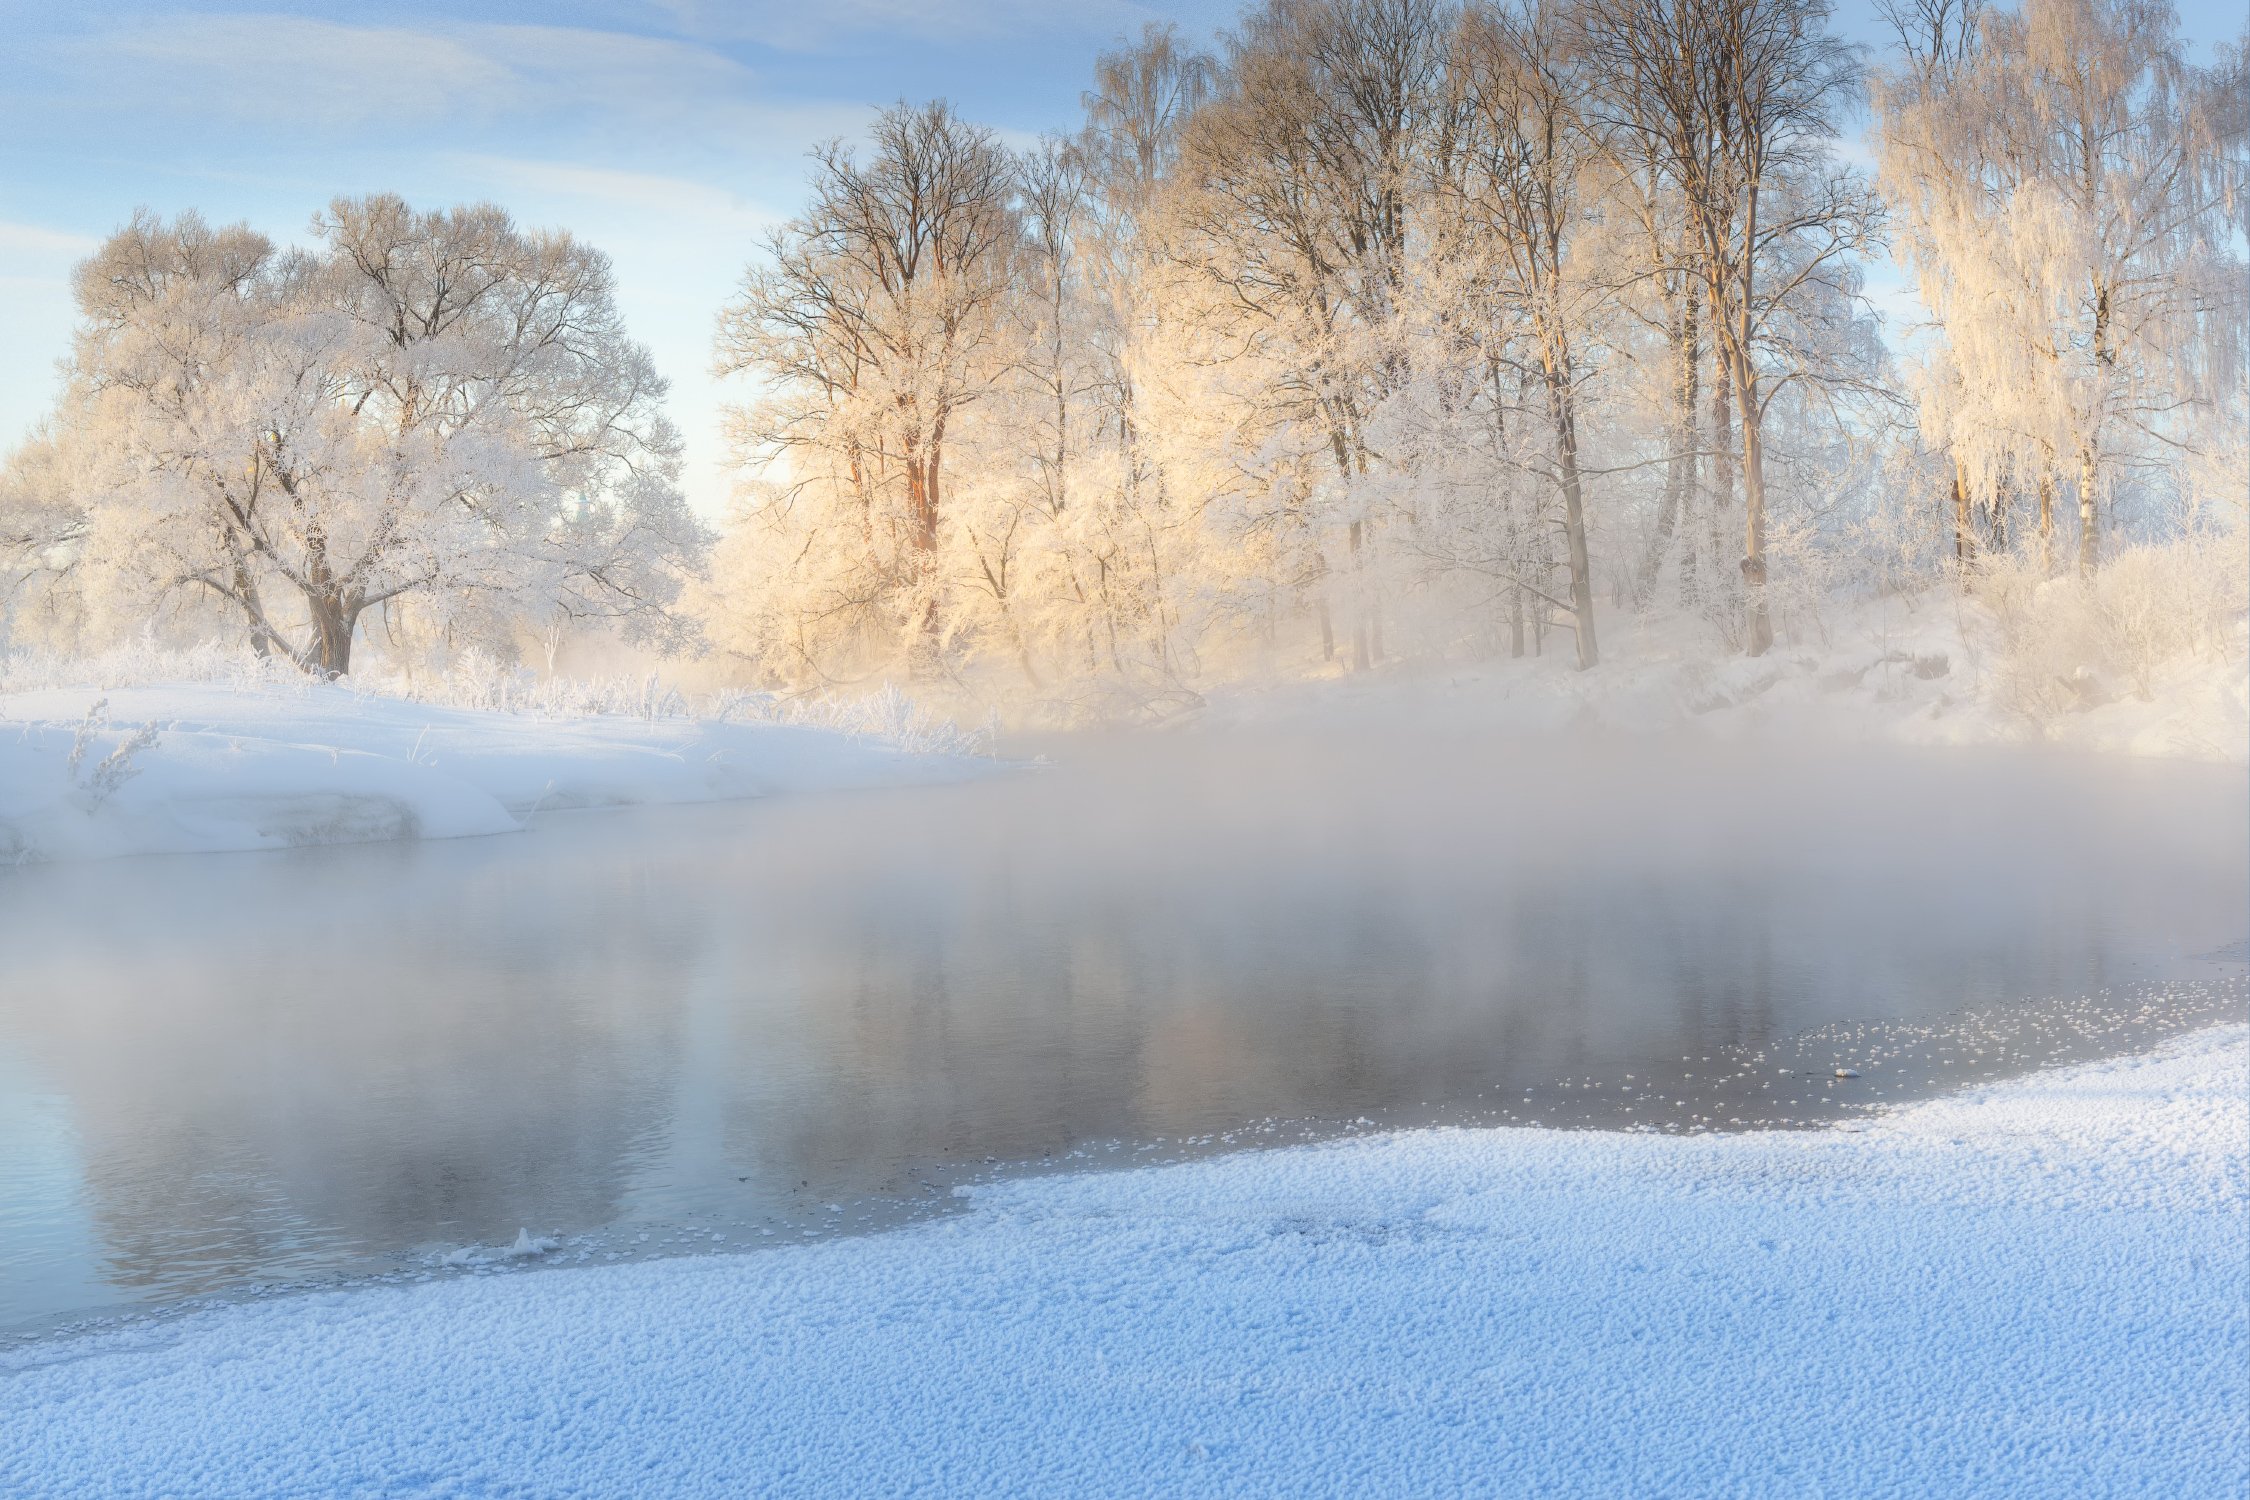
663,1031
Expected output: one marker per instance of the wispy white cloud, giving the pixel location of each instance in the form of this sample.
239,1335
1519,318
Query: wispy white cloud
279,69
35,267
35,309
793,25
20,243
285,67
648,195
606,66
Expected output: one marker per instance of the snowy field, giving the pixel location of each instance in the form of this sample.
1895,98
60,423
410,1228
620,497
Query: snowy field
2034,1289
215,766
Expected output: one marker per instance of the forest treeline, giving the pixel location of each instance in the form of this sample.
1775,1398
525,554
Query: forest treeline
1392,328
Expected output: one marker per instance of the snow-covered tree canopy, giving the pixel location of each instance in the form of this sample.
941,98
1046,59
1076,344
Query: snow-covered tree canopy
2071,196
1389,323
879,317
427,407
1388,328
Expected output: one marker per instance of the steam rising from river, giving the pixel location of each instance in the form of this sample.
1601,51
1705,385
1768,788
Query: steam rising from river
735,1015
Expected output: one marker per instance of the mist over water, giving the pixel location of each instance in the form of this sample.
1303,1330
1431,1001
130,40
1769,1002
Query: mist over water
819,1014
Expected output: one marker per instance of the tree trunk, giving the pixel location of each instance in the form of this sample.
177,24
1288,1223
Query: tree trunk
334,622
1360,661
1062,403
922,507
2046,523
2089,514
246,594
1722,476
1681,463
1760,631
1964,533
921,500
1560,404
2089,455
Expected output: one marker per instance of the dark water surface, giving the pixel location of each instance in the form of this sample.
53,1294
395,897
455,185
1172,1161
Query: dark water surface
667,1030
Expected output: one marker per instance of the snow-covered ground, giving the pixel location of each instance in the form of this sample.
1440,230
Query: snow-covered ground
2035,1289
246,765
1921,671
252,759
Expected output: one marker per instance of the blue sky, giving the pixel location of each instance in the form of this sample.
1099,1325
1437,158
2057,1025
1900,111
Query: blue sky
668,132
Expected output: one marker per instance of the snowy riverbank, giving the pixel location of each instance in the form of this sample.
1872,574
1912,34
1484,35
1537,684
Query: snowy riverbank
2038,1288
210,766
1924,671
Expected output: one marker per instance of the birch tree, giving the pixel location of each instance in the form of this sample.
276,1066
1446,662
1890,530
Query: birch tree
1301,180
1143,97
2072,191
1528,147
1741,98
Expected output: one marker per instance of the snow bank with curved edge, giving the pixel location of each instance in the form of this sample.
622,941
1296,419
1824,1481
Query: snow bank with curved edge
2035,1289
265,767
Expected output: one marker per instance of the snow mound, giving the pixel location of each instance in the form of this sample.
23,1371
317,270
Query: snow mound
2037,1288
213,766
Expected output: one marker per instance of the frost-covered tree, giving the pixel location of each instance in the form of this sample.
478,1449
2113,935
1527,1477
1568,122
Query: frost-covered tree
876,319
42,536
1529,144
433,408
1411,327
2072,194
1133,535
1298,190
1739,101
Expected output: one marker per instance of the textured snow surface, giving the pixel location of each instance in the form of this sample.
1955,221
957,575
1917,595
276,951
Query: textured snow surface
265,767
2036,1289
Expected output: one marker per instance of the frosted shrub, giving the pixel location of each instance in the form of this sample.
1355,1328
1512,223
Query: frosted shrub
2057,653
115,768
2071,643
2161,604
478,680
2142,620
112,770
2049,642
142,663
887,714
1804,573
